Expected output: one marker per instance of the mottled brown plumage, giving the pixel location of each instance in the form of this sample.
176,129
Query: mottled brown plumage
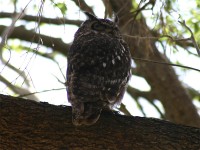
99,63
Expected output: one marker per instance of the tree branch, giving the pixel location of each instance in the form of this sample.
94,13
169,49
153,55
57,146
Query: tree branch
56,21
182,42
135,93
17,89
25,124
5,35
162,78
192,36
55,43
83,6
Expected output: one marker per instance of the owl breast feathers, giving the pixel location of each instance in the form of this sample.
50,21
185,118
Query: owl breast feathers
99,64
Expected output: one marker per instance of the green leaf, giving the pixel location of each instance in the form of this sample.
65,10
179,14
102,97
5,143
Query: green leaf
62,7
196,27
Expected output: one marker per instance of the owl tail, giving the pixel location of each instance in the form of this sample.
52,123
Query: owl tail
85,113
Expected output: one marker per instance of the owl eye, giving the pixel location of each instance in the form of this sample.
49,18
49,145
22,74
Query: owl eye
99,27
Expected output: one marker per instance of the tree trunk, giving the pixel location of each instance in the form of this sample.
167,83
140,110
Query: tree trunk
162,78
25,124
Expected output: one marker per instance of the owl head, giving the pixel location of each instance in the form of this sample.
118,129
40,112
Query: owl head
100,26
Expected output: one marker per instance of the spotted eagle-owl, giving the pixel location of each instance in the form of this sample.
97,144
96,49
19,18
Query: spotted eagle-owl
99,63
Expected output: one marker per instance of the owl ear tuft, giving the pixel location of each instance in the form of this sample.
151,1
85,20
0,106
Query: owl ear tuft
90,16
116,20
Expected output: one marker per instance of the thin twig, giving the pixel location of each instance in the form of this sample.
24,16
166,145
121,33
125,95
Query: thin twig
165,63
158,109
140,107
17,90
9,29
6,33
155,37
192,36
24,95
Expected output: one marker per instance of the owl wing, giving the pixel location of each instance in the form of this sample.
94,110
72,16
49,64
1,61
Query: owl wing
117,85
83,86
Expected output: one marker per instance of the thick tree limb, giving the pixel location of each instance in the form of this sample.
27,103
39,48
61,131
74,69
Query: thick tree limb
25,124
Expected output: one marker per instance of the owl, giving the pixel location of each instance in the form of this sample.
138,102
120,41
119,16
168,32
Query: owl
98,70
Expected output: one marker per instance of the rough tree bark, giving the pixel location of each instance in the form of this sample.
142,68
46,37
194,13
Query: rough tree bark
162,78
25,124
